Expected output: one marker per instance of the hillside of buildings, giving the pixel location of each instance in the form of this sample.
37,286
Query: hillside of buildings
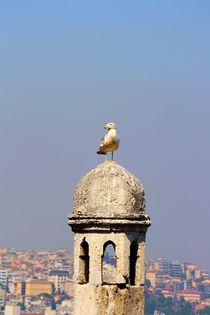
36,281
41,282
176,288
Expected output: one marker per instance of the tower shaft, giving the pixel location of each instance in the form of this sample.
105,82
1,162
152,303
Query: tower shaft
109,224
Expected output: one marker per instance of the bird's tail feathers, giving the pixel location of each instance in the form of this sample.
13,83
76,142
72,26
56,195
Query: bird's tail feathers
99,152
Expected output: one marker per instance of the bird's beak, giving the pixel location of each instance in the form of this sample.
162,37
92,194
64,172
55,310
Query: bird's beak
105,127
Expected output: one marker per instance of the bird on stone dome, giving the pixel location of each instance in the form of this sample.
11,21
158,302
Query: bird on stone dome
110,142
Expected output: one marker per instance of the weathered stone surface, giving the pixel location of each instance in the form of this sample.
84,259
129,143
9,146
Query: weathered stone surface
109,190
109,300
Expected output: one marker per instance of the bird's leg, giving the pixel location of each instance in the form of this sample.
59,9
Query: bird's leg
112,155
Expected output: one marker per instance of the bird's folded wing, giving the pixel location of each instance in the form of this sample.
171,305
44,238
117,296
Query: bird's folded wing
106,140
102,142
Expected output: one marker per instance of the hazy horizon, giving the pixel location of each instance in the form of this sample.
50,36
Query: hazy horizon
69,68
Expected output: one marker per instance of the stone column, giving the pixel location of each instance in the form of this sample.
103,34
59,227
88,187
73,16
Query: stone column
109,208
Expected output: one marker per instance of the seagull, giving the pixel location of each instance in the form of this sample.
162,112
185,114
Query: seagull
110,142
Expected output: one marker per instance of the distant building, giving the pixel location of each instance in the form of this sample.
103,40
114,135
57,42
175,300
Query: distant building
58,278
189,295
2,297
3,286
190,266
150,265
204,286
158,313
49,311
174,284
3,250
162,265
20,288
187,284
197,274
151,276
15,299
192,272
177,269
161,278
12,309
167,293
36,287
3,278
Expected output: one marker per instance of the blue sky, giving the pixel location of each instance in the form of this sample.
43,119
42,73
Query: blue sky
69,67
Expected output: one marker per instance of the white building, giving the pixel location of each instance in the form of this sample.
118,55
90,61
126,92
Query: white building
3,285
2,297
12,309
3,278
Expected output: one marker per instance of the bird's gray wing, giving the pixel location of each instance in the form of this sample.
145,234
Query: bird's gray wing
102,141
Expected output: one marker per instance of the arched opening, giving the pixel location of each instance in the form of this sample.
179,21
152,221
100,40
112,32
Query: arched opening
133,259
84,263
109,263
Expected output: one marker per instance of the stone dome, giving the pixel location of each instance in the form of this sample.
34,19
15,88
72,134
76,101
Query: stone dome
109,191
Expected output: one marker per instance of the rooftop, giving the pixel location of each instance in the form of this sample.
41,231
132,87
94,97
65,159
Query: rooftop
109,190
109,195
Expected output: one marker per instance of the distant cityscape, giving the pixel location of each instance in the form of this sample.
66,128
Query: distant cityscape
36,282
177,280
41,282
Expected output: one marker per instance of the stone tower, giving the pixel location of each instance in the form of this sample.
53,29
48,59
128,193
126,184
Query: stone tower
109,209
